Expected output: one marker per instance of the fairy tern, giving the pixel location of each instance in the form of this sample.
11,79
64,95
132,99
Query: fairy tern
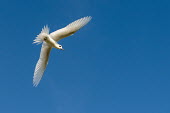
50,40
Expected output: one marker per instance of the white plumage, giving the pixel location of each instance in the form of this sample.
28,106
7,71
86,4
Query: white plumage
50,41
39,38
70,29
41,64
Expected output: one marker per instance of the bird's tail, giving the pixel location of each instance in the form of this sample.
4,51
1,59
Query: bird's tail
45,31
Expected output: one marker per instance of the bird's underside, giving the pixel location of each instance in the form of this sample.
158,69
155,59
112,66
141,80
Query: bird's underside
53,37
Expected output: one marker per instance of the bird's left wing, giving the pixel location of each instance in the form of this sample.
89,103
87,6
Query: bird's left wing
41,64
70,29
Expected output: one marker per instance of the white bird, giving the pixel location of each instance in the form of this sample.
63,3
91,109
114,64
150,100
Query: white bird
50,40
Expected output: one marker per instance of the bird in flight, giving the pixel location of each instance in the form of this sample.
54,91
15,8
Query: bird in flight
50,40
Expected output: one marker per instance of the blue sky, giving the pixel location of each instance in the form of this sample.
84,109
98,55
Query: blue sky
118,63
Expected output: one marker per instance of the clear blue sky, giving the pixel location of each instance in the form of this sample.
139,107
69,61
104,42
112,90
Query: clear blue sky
118,63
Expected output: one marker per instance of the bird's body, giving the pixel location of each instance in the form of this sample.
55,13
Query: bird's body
51,41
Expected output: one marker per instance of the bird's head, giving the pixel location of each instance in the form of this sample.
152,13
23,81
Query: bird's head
59,47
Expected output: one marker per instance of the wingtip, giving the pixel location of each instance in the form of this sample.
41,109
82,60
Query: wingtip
89,17
35,84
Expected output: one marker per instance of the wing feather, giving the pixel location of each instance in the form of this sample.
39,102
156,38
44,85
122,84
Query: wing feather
41,64
70,29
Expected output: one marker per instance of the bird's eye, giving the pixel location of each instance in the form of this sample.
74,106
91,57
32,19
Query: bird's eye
59,46
45,38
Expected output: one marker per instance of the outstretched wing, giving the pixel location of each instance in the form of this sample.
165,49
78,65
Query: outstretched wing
41,64
70,29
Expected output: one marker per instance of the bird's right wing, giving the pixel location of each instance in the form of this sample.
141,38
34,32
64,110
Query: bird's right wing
41,64
70,29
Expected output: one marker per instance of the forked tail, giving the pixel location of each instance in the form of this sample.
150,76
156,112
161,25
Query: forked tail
39,39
